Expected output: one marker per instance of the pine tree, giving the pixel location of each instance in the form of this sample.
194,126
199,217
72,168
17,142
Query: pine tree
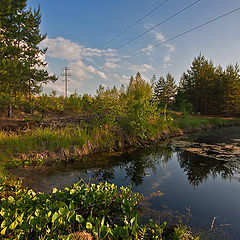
165,90
232,90
198,84
159,91
21,68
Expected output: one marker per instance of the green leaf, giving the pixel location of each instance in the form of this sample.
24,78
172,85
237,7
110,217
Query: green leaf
62,211
72,191
11,199
3,224
88,225
71,206
49,213
20,218
132,220
3,232
54,217
37,212
79,218
13,225
2,213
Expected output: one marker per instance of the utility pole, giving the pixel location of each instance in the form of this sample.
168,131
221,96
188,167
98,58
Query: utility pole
66,75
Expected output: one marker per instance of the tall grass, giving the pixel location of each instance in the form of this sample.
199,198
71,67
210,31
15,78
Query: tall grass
103,137
40,139
196,122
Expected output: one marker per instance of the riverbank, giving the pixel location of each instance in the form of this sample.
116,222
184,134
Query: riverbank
51,145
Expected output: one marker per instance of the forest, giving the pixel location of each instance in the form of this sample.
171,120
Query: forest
138,114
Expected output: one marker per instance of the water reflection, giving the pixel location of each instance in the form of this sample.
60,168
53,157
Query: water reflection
137,165
198,168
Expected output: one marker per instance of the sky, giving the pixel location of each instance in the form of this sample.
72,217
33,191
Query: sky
78,30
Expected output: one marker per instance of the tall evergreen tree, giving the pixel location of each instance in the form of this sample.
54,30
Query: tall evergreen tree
232,90
165,90
21,68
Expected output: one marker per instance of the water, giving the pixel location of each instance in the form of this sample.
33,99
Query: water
195,189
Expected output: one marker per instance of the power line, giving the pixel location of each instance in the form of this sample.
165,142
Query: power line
128,28
167,19
175,37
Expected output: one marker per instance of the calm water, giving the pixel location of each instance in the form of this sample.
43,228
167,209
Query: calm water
195,189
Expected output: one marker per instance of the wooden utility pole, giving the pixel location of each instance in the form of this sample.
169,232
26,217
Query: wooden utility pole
66,75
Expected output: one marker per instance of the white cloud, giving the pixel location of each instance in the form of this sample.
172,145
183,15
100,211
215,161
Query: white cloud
81,71
111,63
166,65
141,68
160,37
148,49
80,59
167,58
170,47
65,49
122,79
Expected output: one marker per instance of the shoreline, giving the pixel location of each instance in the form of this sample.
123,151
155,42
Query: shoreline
107,141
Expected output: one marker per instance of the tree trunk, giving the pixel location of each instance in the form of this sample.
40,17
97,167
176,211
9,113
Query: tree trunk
10,110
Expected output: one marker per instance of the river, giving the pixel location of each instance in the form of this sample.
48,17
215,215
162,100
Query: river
202,192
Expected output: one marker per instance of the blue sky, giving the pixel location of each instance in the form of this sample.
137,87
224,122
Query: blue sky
77,30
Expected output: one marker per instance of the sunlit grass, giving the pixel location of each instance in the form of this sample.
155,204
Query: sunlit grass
40,139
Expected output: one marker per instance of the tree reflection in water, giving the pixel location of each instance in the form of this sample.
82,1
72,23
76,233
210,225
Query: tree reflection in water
138,164
198,168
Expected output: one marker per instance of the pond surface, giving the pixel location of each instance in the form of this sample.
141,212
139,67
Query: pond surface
175,184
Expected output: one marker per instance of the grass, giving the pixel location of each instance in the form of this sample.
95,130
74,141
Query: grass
198,122
102,137
40,139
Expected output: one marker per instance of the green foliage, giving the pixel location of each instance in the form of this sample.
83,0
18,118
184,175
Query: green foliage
139,118
210,89
165,90
139,89
20,55
102,210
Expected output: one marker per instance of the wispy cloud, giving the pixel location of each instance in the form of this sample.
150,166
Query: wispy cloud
122,79
160,37
142,68
66,49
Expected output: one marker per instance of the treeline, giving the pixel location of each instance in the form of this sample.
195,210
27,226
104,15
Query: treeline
210,89
204,88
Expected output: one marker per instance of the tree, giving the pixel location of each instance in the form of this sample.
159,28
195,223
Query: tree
138,89
165,90
21,68
231,96
198,84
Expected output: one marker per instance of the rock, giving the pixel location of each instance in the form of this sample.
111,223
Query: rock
81,236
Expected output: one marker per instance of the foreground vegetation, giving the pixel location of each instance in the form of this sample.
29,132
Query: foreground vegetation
80,211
